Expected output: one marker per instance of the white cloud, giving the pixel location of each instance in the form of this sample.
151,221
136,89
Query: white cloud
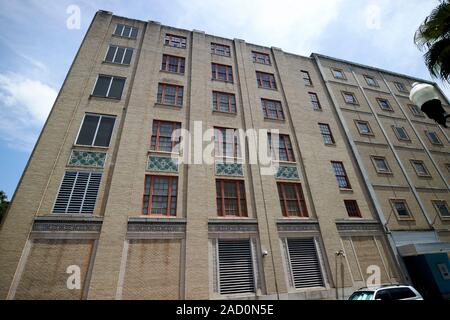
293,25
24,104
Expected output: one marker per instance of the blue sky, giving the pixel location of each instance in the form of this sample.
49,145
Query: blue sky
36,47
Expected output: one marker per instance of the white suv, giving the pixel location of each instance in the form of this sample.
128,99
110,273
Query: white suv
390,292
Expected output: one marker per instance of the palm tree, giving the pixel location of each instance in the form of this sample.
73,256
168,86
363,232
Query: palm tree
3,204
433,36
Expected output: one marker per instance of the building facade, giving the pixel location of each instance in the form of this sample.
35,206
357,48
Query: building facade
361,179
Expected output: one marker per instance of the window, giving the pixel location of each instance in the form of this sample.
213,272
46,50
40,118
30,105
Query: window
433,137
304,262
314,101
363,127
349,98
420,168
401,208
164,136
341,175
119,55
230,196
442,208
235,266
326,133
381,165
352,208
285,151
265,80
401,133
361,295
306,78
401,293
224,102
384,104
160,196
221,72
220,49
226,143
78,192
272,109
259,57
338,74
170,94
383,295
400,87
415,110
371,81
109,87
292,200
175,41
126,31
96,130
172,64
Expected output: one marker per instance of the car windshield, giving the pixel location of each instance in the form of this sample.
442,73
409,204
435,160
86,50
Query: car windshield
362,295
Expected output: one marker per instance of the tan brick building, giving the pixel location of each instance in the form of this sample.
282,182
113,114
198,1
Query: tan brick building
105,188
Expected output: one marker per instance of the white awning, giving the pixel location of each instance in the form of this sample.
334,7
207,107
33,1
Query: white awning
423,248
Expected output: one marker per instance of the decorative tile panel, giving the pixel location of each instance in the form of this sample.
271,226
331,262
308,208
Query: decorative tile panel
80,158
287,172
229,169
162,164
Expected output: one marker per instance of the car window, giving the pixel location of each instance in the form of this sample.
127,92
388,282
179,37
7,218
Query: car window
362,295
383,295
402,293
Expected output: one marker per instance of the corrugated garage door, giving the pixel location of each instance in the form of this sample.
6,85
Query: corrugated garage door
304,262
235,266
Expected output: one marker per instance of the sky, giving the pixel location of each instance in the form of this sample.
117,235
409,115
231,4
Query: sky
37,46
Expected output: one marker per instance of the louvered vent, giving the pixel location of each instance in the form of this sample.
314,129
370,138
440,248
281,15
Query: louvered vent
78,192
304,263
235,266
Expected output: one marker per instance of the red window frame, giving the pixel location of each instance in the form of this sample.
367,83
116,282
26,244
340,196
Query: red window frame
165,65
315,101
226,49
175,139
178,94
215,72
220,144
231,101
239,200
271,81
352,208
261,57
168,41
300,209
341,174
147,199
284,144
326,133
278,109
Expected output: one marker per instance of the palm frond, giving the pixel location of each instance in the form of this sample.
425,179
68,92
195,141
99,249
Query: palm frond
437,59
435,27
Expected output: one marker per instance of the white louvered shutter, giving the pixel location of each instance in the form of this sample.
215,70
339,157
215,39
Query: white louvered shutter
78,192
235,266
304,262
